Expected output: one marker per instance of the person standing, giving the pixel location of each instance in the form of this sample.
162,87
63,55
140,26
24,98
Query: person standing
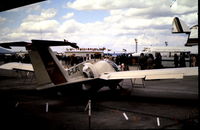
176,60
150,61
182,60
158,61
142,61
193,60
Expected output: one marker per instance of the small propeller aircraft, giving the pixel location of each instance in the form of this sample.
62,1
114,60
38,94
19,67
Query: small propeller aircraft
51,74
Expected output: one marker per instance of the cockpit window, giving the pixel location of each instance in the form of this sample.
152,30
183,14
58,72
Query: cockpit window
113,65
87,72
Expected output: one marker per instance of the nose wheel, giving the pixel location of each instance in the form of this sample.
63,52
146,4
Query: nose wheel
114,87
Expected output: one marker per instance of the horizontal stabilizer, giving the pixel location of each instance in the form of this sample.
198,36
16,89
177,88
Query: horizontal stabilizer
39,43
17,44
193,36
54,43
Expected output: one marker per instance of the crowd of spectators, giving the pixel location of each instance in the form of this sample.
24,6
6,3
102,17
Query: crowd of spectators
123,61
145,61
23,58
148,61
74,60
181,62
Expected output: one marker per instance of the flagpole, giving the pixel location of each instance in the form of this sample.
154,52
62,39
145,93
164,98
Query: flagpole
136,41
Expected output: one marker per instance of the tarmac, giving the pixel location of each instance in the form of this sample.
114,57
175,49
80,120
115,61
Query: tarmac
155,104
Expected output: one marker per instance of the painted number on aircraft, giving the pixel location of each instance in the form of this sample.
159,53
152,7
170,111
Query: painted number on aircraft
73,70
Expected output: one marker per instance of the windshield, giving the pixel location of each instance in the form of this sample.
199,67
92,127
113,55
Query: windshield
113,65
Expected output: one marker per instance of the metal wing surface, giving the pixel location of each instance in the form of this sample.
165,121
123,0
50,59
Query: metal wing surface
75,82
171,73
17,66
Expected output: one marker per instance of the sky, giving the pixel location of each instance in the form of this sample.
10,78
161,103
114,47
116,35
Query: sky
113,24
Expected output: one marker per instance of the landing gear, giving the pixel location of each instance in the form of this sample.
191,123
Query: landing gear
113,87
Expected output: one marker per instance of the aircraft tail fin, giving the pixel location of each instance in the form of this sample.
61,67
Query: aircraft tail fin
178,26
75,72
46,66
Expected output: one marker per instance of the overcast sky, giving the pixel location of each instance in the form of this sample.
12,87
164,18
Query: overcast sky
113,24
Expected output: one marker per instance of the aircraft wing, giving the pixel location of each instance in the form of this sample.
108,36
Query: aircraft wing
78,81
17,66
171,73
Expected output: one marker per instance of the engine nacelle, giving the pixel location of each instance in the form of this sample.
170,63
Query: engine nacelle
94,70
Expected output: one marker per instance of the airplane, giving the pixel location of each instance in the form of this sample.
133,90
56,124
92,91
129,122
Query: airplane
179,26
91,75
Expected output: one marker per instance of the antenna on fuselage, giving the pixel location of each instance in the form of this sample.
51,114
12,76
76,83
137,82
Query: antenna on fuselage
41,37
41,34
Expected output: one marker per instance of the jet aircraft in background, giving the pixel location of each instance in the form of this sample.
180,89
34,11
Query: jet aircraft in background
179,26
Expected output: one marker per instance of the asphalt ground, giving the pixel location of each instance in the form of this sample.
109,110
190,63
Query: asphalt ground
168,104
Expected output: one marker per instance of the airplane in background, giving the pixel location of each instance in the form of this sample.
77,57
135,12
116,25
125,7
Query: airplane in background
91,75
179,26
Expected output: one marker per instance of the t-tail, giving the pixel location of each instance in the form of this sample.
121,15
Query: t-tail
179,26
48,71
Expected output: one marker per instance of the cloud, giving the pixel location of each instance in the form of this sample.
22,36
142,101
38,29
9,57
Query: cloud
44,15
45,26
153,11
49,13
183,9
40,23
106,4
122,4
117,35
35,27
70,26
2,19
113,35
190,3
68,15
139,8
126,20
190,19
148,21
